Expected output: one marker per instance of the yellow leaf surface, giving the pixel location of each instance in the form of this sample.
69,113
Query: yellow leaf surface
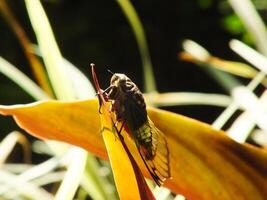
205,163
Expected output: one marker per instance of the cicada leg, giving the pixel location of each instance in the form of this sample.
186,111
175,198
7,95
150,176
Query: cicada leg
118,130
105,96
107,90
104,128
115,126
122,125
99,101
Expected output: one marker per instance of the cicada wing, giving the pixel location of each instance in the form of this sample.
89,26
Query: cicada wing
150,141
155,157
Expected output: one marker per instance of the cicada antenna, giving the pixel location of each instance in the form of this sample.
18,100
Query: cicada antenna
110,71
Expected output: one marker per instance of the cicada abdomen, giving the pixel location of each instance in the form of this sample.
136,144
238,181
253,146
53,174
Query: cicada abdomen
130,109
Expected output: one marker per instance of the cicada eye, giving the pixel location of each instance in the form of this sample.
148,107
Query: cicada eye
113,79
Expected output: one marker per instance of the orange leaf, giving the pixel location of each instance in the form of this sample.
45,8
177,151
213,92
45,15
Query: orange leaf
205,163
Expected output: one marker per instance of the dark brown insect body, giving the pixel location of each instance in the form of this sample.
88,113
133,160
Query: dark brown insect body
130,109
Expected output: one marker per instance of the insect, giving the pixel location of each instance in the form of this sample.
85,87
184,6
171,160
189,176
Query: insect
128,104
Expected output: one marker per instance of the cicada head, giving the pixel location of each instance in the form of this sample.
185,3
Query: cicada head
119,79
120,84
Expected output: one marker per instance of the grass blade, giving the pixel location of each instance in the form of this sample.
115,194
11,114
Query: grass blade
36,65
260,62
62,87
252,21
249,54
187,98
235,68
73,174
102,188
200,53
22,80
256,27
255,113
49,49
9,142
81,86
136,25
24,188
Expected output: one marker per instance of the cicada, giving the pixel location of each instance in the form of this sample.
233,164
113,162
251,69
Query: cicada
129,107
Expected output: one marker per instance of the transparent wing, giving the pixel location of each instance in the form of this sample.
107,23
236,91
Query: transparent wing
153,148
